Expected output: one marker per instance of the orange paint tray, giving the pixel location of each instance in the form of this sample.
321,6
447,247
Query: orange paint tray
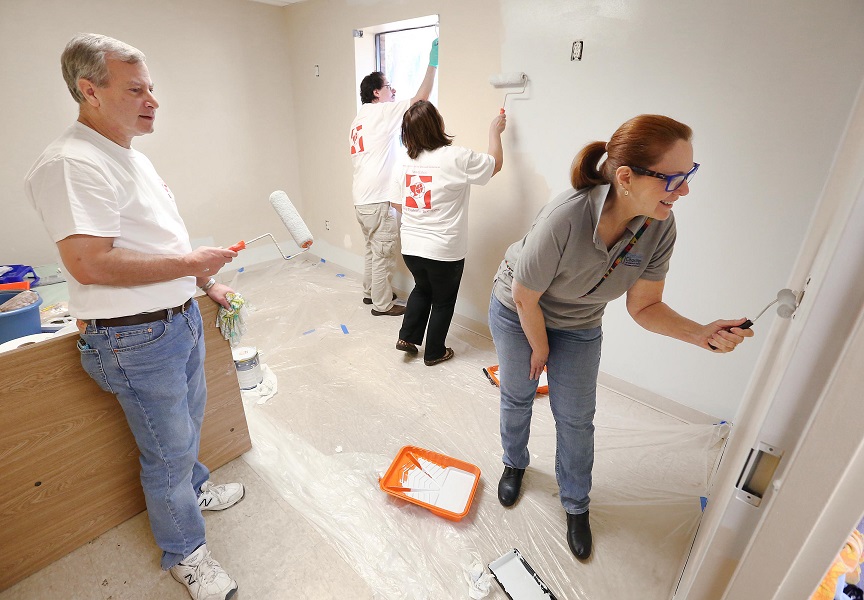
440,483
492,374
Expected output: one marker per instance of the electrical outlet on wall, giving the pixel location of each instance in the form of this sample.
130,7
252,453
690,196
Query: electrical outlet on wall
576,52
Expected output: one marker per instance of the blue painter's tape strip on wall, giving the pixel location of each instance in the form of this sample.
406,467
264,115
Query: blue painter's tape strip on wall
344,330
308,332
703,501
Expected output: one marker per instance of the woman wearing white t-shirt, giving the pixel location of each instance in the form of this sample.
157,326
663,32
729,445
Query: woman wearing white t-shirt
431,187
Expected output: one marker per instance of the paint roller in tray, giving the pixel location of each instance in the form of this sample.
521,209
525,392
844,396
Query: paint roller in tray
293,223
503,80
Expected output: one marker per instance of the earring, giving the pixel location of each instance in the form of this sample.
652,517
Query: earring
626,193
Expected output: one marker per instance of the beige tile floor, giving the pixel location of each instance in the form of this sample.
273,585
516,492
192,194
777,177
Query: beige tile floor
314,524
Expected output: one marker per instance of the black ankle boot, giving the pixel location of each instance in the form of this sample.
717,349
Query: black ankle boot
579,535
508,486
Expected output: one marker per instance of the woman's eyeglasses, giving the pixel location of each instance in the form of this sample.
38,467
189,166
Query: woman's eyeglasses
673,182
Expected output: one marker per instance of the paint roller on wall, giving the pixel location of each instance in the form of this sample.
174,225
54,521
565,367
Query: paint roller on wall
292,221
504,80
787,301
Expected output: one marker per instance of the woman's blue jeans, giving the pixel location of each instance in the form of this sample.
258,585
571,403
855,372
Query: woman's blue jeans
572,367
156,370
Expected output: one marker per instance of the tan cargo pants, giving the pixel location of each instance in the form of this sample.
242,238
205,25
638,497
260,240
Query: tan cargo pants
381,230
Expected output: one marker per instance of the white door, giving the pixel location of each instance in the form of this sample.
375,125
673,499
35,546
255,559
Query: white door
790,487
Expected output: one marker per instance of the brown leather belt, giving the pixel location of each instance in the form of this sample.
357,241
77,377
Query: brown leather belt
138,319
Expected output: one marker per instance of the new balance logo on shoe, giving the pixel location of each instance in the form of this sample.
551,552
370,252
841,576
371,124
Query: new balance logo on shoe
220,497
204,578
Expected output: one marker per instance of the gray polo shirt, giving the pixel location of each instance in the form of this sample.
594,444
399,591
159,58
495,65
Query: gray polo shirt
563,257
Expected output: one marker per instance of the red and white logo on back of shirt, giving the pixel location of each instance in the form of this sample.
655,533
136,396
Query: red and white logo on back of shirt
356,140
417,191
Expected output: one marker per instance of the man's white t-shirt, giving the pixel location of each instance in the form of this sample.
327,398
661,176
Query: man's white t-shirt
434,190
86,184
374,148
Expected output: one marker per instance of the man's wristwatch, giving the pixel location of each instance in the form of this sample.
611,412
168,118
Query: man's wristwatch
210,283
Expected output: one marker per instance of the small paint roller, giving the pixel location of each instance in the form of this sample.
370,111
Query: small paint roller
788,300
503,80
293,223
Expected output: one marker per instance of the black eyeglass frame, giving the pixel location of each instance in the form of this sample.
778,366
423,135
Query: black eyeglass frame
668,178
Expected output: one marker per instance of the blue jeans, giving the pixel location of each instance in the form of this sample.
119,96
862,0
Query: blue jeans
571,371
156,370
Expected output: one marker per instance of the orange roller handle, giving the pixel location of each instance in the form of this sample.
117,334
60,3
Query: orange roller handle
241,245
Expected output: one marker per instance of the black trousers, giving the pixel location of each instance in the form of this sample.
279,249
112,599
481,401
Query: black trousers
432,301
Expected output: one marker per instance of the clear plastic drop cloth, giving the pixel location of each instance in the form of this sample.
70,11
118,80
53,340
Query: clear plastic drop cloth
348,401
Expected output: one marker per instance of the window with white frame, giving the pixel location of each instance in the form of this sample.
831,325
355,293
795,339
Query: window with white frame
403,55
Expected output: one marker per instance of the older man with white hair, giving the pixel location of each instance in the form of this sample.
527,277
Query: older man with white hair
132,273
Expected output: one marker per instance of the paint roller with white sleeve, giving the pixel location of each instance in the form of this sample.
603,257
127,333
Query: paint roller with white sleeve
503,80
293,223
787,303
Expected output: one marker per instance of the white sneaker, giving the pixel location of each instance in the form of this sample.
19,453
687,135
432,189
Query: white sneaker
220,497
204,577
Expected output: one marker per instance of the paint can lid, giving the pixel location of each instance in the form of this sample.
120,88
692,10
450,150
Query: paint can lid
244,352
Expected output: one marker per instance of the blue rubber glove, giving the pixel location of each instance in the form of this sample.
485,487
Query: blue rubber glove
433,54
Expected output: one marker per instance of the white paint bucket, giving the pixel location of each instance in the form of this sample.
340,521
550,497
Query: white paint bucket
248,366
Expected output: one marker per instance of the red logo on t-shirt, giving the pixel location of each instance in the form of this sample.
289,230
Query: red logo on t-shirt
417,192
167,190
356,140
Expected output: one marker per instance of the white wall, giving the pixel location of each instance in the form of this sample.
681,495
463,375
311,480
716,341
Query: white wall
224,132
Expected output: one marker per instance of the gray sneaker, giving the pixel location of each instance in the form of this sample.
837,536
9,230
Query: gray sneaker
220,497
204,577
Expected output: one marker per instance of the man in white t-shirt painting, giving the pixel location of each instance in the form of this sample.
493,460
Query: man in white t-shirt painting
374,145
132,274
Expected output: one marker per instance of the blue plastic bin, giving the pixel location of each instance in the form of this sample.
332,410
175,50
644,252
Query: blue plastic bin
13,273
21,321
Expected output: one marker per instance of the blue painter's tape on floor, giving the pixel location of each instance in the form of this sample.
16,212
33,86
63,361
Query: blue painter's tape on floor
308,332
322,260
344,330
703,501
241,269
340,274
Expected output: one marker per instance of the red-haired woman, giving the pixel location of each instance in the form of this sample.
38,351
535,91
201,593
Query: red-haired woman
431,187
612,234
